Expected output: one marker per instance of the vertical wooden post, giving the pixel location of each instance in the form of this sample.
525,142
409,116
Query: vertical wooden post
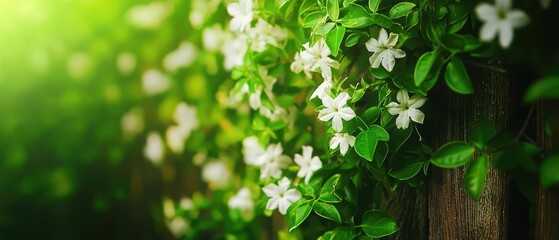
452,213
547,202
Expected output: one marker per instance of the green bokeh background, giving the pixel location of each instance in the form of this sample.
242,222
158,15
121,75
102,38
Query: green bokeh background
65,170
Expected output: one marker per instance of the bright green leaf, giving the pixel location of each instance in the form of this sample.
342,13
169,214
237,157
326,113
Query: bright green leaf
482,132
356,17
325,29
453,154
297,213
333,9
373,5
424,66
327,211
474,178
400,10
381,20
366,142
328,191
457,78
406,172
378,224
334,39
313,19
352,39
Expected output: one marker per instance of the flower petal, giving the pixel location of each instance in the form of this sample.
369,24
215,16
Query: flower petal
337,123
382,36
326,114
488,31
376,59
334,142
271,190
402,96
392,40
373,45
416,115
393,108
272,203
344,146
416,101
397,53
346,113
486,12
388,61
341,100
517,18
506,34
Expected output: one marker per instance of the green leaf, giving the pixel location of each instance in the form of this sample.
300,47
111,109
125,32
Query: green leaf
380,73
549,171
380,153
313,19
352,39
517,154
328,191
343,232
472,43
407,172
453,154
333,9
347,2
474,178
381,20
325,29
357,95
400,10
482,132
424,67
457,78
327,211
297,213
453,42
366,142
334,39
378,224
356,17
371,115
373,5
545,88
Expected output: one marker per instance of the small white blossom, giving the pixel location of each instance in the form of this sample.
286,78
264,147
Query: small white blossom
408,108
149,16
281,196
321,90
216,174
183,56
132,122
242,15
178,226
154,82
264,33
174,139
185,117
154,149
383,50
126,62
500,19
234,50
313,58
308,163
213,37
275,162
242,201
254,153
186,203
344,140
336,110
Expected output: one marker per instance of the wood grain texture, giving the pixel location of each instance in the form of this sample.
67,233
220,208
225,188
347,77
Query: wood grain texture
452,213
547,201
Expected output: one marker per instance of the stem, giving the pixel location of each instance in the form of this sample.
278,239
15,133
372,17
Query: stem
520,133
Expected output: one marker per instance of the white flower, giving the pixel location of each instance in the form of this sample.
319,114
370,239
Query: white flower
316,57
254,153
149,16
216,174
154,149
407,108
274,163
186,203
308,163
242,201
132,122
154,82
183,56
344,140
185,117
79,65
242,15
500,19
335,110
281,196
383,50
174,138
321,90
126,62
213,37
178,226
234,52
264,33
